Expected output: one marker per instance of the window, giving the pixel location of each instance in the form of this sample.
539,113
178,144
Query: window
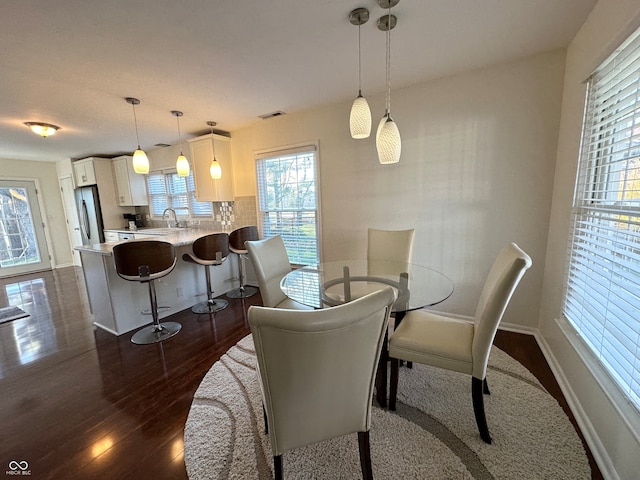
169,190
602,298
288,200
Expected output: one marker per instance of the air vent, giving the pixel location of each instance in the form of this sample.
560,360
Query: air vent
271,115
162,145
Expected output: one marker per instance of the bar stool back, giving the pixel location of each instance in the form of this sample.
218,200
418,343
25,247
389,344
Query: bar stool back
145,261
236,245
209,250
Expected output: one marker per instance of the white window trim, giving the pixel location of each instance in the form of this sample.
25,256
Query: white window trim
290,148
152,216
596,181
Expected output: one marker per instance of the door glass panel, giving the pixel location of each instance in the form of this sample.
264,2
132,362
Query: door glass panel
18,244
22,245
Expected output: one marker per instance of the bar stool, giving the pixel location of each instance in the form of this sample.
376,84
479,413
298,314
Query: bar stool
145,261
209,250
236,245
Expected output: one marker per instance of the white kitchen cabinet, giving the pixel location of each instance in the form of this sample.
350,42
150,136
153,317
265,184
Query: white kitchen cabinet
99,171
84,172
131,188
111,236
207,189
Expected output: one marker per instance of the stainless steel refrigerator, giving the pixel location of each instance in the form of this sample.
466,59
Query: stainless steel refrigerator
90,215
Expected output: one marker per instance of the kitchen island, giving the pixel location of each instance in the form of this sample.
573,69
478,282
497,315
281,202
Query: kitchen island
117,304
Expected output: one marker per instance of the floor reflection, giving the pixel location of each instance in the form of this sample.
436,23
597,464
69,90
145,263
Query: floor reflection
34,336
59,324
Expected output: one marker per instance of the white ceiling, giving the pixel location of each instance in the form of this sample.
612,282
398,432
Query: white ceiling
72,62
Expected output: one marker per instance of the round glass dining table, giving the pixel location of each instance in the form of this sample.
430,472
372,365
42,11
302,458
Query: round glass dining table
328,284
331,283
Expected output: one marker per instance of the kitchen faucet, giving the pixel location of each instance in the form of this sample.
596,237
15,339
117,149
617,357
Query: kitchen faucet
175,217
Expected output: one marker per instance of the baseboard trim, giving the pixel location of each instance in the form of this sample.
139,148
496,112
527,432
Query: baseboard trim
600,455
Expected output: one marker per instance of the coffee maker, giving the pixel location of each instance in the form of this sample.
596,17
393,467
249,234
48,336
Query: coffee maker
135,218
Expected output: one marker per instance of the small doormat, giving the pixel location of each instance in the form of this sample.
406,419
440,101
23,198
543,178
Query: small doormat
11,313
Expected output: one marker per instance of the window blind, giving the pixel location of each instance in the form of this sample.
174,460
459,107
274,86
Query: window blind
169,190
602,298
287,201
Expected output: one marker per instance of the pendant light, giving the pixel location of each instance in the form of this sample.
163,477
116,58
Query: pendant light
182,164
140,160
215,170
360,118
388,142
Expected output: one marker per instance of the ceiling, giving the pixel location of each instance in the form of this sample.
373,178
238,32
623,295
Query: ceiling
72,62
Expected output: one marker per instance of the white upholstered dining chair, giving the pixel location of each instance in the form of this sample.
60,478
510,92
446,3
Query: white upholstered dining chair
391,245
308,394
270,263
464,347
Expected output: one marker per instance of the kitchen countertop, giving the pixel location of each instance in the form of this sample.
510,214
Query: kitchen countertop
176,236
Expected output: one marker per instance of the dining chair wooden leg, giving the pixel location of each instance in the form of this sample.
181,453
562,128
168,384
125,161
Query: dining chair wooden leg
478,408
485,387
393,387
381,374
277,467
365,455
266,424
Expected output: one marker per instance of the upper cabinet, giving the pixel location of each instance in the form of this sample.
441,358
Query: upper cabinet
84,172
131,187
99,172
207,189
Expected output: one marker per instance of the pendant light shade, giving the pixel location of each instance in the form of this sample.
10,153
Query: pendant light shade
388,141
360,117
215,170
182,164
140,160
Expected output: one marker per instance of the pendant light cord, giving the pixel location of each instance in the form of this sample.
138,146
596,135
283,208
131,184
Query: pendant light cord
135,121
179,137
388,102
359,65
213,144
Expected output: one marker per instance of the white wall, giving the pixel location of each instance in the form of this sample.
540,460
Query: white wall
51,205
476,171
607,418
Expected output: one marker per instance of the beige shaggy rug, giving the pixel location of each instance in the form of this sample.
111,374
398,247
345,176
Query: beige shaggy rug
432,435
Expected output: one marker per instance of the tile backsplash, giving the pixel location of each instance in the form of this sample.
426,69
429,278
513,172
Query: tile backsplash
227,216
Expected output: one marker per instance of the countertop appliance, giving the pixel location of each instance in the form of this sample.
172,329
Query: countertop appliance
133,217
91,225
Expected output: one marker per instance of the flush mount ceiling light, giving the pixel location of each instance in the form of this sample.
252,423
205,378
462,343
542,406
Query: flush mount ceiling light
43,129
140,160
182,164
360,118
215,170
388,142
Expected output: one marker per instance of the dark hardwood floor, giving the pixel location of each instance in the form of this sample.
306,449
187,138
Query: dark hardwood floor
77,402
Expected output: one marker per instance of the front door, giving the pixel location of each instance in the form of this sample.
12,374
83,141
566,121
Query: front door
23,247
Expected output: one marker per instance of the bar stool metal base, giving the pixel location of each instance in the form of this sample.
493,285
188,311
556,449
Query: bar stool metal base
242,292
210,307
155,333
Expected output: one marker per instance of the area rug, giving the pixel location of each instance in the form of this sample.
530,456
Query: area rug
8,314
432,435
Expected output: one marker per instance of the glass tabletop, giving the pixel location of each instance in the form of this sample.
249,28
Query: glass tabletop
332,283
